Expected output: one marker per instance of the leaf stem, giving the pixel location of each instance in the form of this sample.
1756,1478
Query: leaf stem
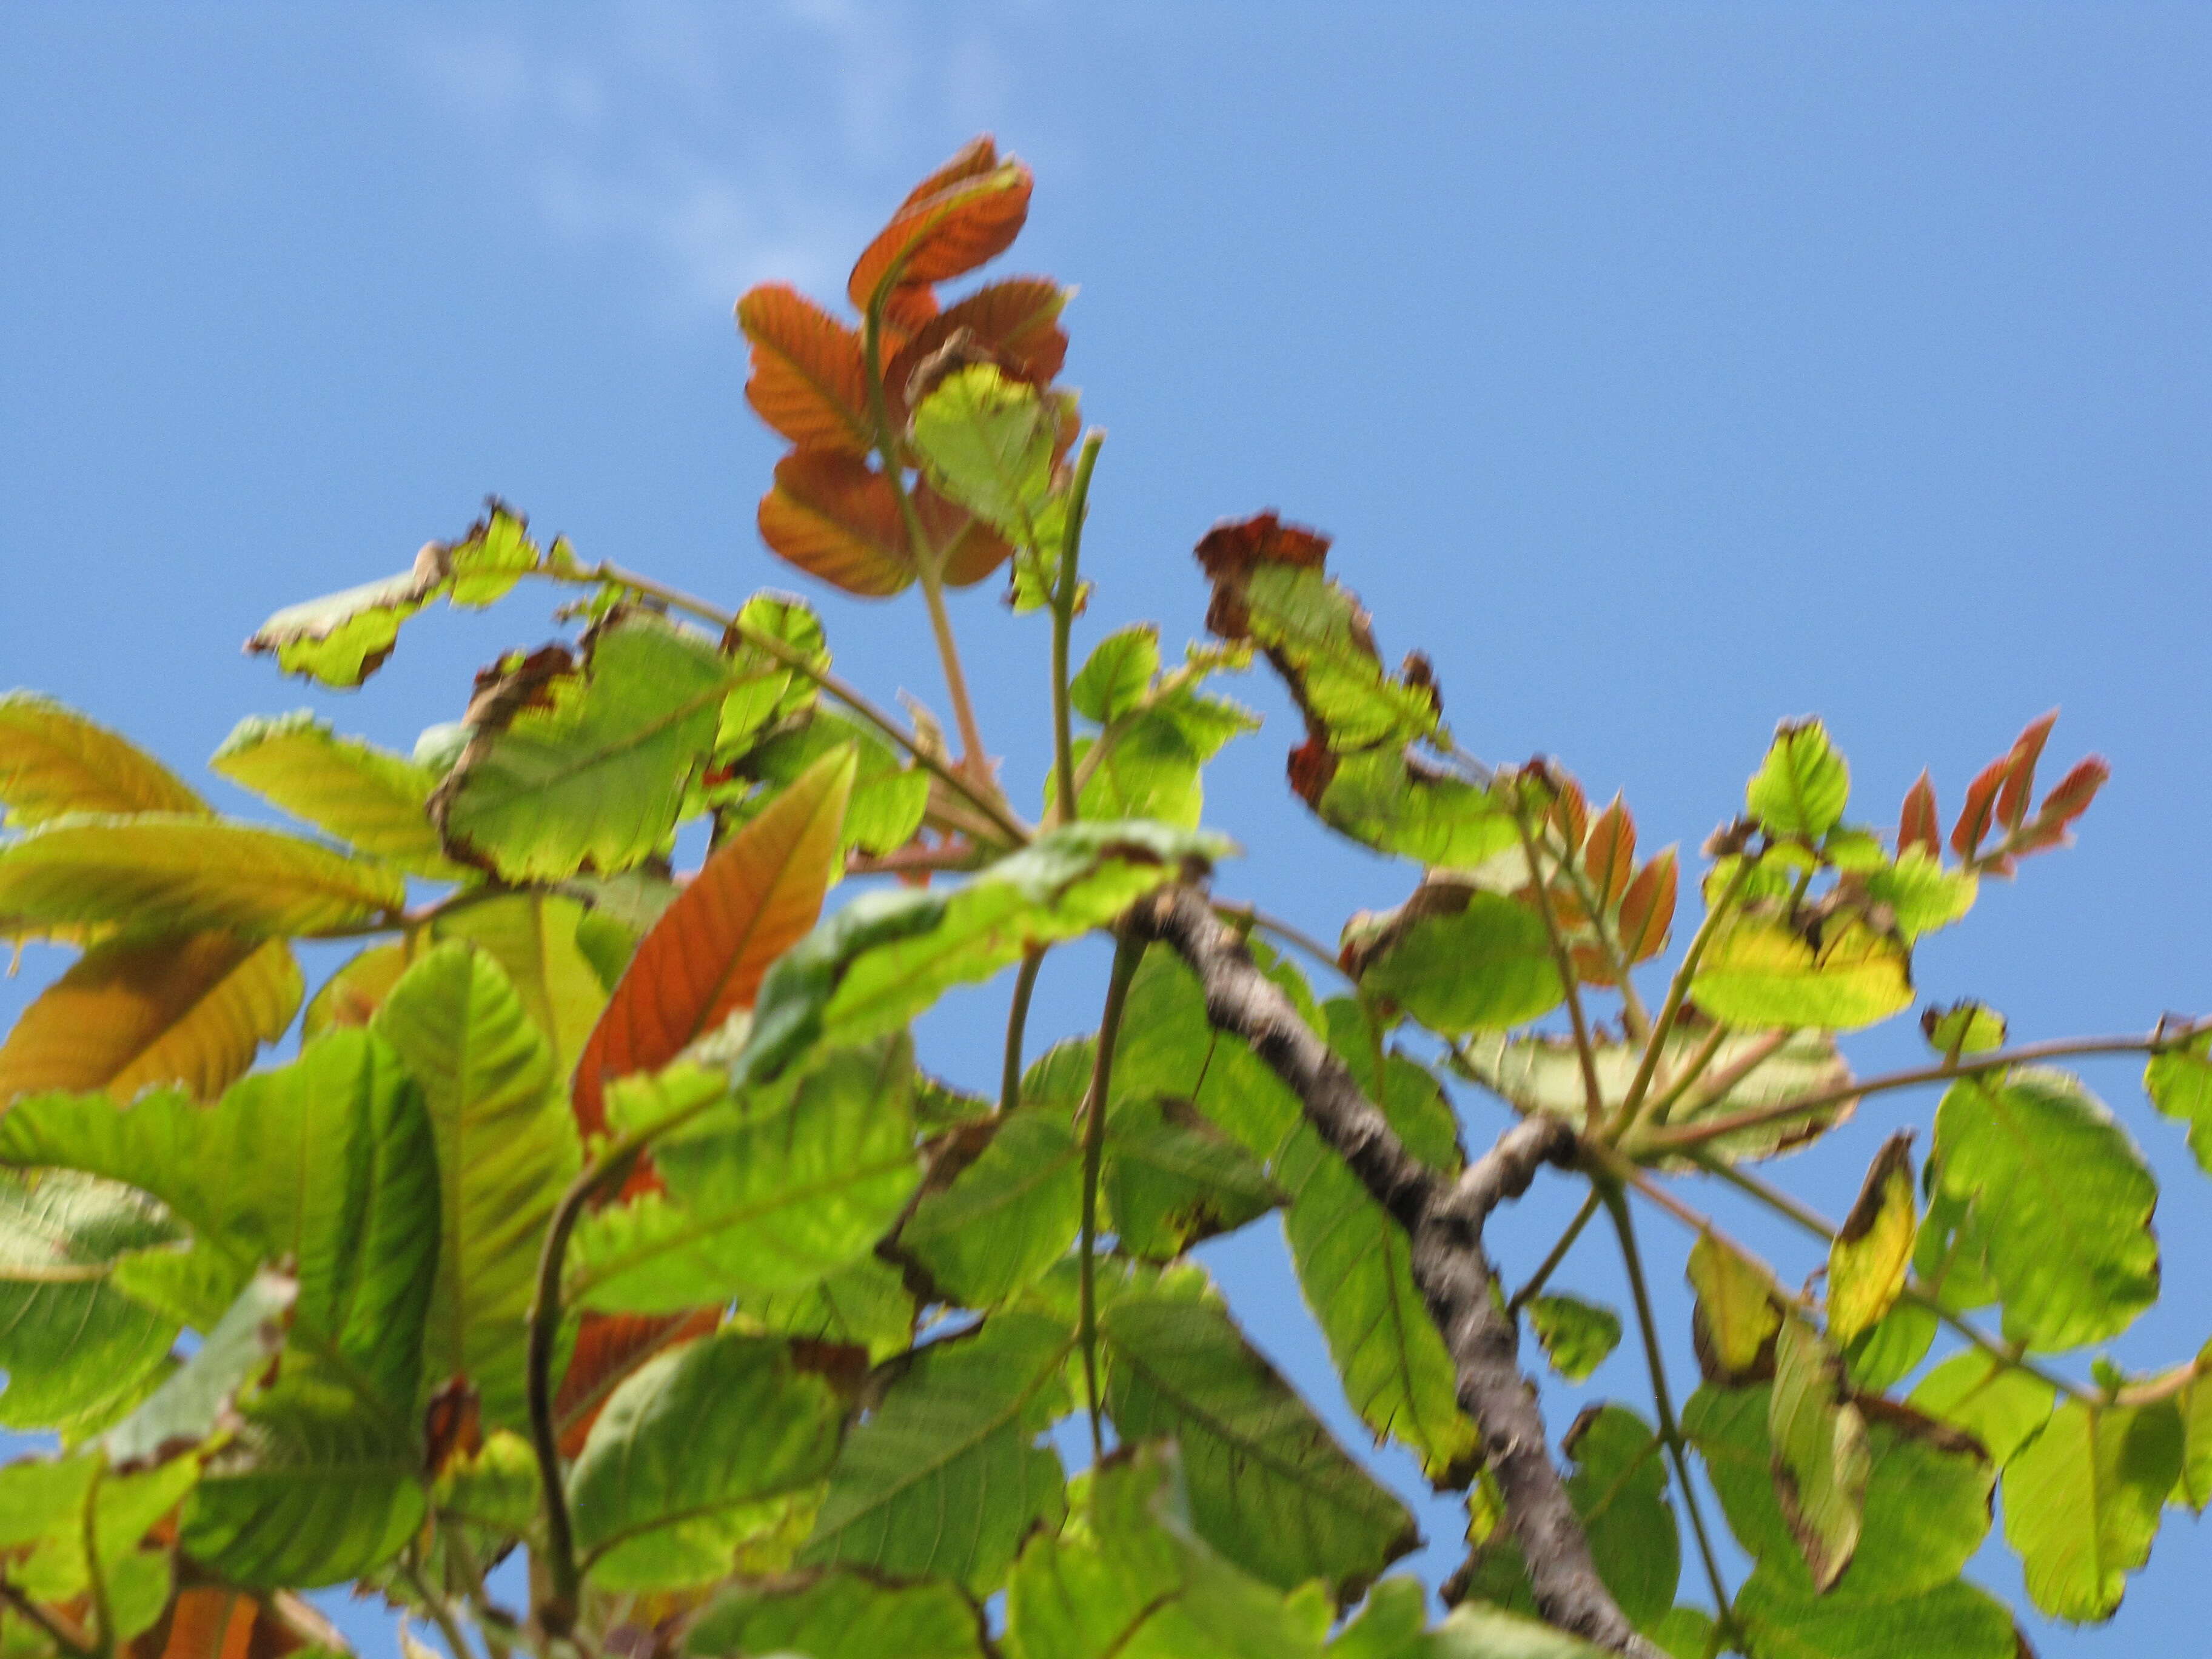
410,1569
103,1614
1678,989
1128,951
1670,1430
1563,962
1018,1019
1063,624
1550,1264
1249,916
62,1636
1697,1134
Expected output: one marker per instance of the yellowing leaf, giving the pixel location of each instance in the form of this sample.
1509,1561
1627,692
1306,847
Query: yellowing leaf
1758,971
1735,1315
53,761
1821,1456
183,873
190,1010
1867,1261
377,801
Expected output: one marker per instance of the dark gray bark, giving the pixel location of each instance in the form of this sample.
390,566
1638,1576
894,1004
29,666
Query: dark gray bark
1444,1221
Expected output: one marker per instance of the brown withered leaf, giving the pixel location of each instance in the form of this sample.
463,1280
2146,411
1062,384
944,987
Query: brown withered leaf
453,1425
1232,549
808,381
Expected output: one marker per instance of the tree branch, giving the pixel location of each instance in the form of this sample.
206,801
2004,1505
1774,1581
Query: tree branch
1449,1267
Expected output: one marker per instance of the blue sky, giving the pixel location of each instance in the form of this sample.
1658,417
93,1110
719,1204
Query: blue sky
1661,372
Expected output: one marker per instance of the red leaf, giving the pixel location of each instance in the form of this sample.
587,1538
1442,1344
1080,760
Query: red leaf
1569,813
808,381
2076,791
1647,910
757,895
1917,825
1016,321
950,232
2020,772
972,548
1609,854
834,517
978,155
1981,806
1233,548
609,1347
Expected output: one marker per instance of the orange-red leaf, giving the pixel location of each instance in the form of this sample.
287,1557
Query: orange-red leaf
208,1622
2020,772
1609,854
834,517
1647,909
757,895
609,1347
1981,807
2074,792
972,548
1917,825
978,155
1570,814
946,234
808,381
189,1010
1016,321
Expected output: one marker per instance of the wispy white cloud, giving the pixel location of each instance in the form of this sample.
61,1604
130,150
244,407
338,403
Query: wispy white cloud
728,144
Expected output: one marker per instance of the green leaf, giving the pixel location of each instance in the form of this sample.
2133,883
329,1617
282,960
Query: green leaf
311,1491
189,1009
867,1305
1131,1578
1383,799
1803,785
1577,1335
886,956
1872,1250
182,873
541,941
1005,1218
1684,1633
840,1615
1950,1257
344,638
1956,1621
1117,675
1354,1265
71,1343
377,801
584,765
947,1475
2081,1502
189,1406
2001,1406
1892,1348
1821,1459
1170,1178
1964,1028
888,795
987,442
2062,1201
2194,1403
352,995
506,1150
494,1487
1921,895
122,1510
54,762
1735,1317
1170,1049
1758,971
769,1189
328,1162
1269,1487
1542,1074
686,1458
1317,635
1483,968
1475,1631
2179,1083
